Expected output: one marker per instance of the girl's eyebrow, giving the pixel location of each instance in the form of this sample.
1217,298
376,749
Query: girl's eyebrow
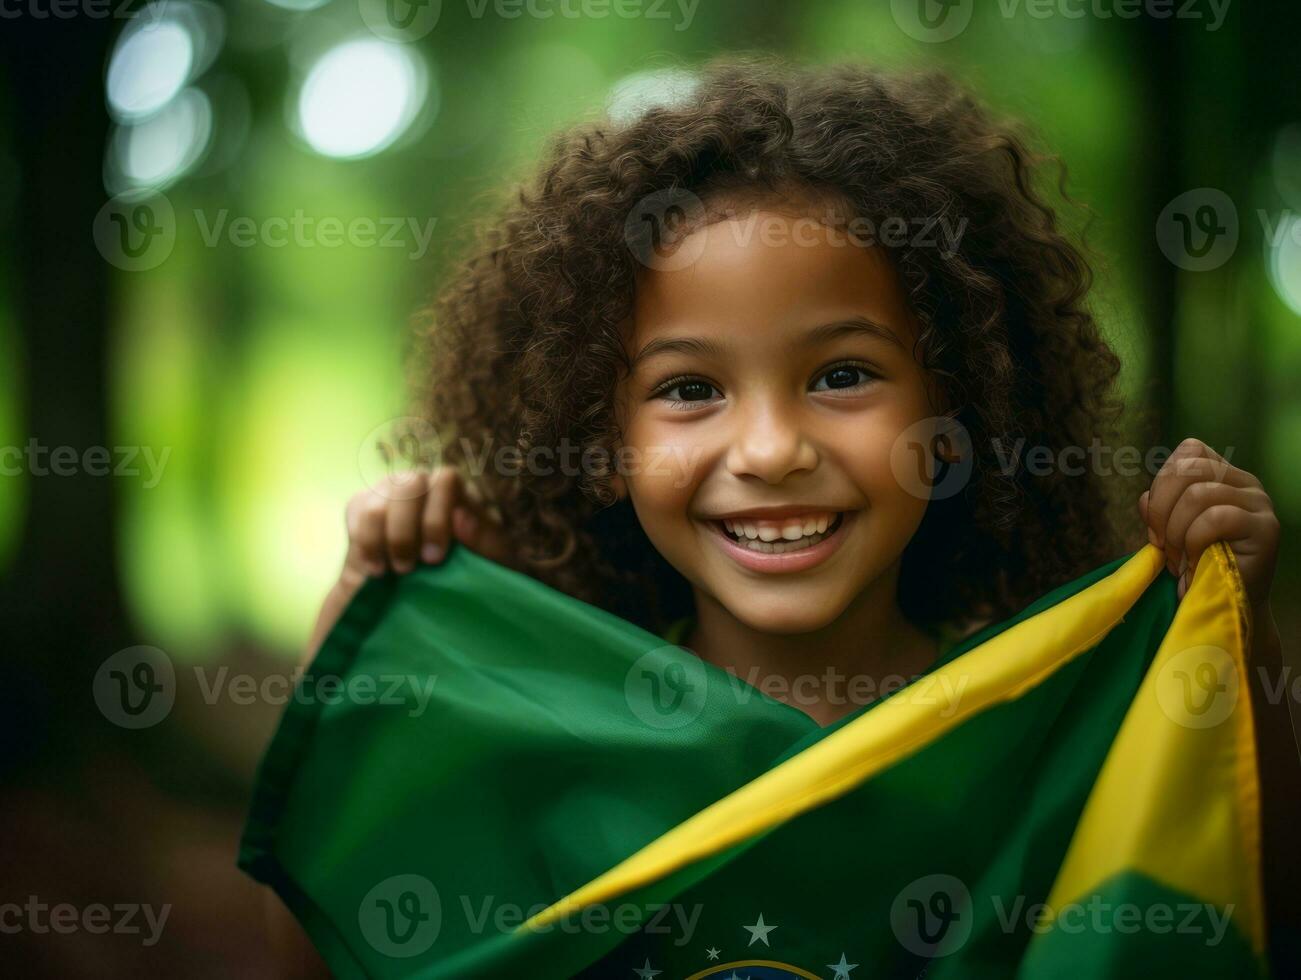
812,337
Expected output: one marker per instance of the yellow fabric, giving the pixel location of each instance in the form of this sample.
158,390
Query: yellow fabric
1177,797
998,670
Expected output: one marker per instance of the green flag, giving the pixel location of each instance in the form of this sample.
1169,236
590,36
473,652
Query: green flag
482,777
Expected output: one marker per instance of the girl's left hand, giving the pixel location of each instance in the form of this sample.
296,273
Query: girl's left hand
1197,499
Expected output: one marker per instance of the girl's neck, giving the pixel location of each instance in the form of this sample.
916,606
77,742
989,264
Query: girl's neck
864,653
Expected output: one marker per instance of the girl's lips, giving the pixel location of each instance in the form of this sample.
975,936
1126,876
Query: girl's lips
789,561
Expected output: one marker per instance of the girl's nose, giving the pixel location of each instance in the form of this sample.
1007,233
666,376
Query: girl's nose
770,444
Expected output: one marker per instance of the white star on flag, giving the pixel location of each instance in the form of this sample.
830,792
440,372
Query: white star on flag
758,931
842,968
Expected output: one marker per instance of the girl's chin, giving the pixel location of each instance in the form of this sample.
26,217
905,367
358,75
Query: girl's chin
778,612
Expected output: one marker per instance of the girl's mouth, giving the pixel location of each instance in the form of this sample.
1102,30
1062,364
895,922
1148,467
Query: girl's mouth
785,545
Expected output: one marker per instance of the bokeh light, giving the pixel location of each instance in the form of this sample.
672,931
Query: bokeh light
636,94
149,66
359,97
1285,260
158,150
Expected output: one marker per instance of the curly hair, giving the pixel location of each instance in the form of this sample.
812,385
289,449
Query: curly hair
523,346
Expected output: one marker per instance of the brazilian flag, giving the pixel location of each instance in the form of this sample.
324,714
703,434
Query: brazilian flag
482,777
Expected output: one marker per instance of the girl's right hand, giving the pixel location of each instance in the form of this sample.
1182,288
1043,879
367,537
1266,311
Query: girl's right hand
405,519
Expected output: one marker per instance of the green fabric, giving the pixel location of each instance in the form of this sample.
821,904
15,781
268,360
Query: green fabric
412,843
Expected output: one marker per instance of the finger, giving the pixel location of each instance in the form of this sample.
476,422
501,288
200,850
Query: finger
364,517
1198,498
1221,522
481,532
402,524
1142,514
435,531
1180,471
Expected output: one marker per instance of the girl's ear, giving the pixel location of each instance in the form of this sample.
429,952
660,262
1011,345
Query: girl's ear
620,486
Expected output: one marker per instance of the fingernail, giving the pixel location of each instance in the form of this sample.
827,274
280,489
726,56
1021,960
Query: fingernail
1183,584
376,568
431,554
1183,564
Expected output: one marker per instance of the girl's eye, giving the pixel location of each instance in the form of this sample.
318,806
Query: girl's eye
686,390
843,376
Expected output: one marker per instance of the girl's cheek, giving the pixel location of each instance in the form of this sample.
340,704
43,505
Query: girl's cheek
668,461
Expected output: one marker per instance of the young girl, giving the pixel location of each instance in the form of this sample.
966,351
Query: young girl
744,314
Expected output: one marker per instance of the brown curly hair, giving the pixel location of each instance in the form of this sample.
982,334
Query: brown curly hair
524,345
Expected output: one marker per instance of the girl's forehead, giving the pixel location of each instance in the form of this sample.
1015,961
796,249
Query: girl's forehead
763,266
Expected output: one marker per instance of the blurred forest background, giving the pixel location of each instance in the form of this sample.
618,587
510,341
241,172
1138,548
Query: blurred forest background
244,333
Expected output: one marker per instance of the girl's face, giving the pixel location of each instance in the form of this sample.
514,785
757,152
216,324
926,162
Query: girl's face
773,379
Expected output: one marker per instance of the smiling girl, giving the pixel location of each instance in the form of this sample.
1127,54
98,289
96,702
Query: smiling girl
751,288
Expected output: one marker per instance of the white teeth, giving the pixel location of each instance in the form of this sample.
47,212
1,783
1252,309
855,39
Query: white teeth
778,540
